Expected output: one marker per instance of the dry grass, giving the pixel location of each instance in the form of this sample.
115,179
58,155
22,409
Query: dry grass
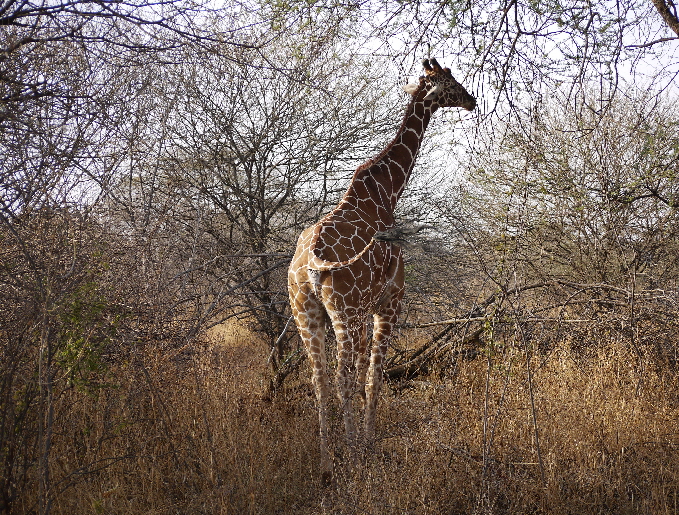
195,436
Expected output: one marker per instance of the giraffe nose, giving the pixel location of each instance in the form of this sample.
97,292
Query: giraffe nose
470,105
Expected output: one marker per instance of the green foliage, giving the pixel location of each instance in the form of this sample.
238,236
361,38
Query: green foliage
85,330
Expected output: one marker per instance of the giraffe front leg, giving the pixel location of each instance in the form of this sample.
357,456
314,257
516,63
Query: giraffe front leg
382,333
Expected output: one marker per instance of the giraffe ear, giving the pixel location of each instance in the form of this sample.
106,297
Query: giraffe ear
411,88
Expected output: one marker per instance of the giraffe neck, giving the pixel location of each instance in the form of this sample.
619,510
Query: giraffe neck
378,183
345,234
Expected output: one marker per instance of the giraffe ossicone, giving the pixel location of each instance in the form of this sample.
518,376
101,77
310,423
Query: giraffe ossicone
343,273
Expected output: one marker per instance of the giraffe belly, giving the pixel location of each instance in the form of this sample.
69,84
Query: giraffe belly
366,285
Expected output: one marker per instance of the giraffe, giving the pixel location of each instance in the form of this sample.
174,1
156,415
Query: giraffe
342,273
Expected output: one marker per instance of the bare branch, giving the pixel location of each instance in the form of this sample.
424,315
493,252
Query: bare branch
669,16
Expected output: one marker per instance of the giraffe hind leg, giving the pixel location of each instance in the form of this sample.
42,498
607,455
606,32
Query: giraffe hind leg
310,317
362,363
350,336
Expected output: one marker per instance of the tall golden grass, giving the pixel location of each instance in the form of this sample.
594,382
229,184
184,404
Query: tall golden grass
191,434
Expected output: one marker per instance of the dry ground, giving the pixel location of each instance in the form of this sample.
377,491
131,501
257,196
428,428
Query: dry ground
193,435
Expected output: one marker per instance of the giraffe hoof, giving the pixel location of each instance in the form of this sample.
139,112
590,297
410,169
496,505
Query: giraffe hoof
326,478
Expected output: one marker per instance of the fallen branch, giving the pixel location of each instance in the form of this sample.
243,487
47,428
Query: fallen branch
416,365
453,321
449,321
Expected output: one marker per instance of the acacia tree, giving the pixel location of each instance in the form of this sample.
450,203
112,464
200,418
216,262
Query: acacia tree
517,47
45,138
578,220
252,157
67,73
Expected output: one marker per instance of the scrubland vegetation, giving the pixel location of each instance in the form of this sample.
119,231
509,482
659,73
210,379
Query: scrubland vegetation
196,436
157,163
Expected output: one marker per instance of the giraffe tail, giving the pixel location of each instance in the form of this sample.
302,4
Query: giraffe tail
323,265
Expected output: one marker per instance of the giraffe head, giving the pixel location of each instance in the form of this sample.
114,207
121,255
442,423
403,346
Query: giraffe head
441,87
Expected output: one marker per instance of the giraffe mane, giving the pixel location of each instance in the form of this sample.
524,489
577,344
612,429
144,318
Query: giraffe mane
409,110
